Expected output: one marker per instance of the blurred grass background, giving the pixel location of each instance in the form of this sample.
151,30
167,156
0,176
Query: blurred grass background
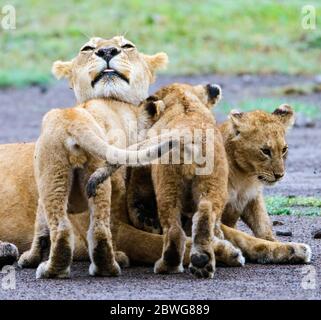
200,37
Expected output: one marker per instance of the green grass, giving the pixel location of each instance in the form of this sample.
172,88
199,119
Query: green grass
199,36
269,105
301,206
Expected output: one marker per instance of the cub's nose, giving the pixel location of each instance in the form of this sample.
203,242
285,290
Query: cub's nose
278,176
107,53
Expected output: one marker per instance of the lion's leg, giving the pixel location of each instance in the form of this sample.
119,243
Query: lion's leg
202,262
230,216
99,238
264,251
41,242
53,174
257,218
168,194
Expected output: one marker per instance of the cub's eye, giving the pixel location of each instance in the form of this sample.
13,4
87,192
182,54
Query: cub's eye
266,151
285,149
127,46
87,48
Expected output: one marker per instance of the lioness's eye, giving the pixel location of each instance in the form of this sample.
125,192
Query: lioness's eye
285,149
127,46
266,151
87,48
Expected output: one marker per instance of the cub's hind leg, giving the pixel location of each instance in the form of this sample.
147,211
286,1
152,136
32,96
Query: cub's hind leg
202,263
168,193
100,246
54,176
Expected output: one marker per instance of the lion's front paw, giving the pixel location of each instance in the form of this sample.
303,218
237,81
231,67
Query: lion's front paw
45,272
162,267
110,271
29,260
202,265
8,254
300,253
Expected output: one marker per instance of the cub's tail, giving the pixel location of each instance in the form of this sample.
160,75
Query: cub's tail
129,158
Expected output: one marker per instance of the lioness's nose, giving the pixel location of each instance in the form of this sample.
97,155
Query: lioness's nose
108,53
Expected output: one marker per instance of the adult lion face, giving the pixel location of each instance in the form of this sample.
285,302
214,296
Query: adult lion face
259,146
112,68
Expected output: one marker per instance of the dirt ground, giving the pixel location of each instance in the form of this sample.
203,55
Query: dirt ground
21,111
253,281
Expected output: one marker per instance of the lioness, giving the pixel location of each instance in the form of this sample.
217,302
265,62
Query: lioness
75,141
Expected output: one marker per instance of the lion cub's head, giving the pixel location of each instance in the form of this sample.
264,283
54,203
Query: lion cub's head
110,68
257,142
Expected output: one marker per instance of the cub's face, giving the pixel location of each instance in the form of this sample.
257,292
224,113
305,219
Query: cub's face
111,68
259,146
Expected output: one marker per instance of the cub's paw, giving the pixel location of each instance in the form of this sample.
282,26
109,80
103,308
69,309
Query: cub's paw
8,254
110,271
45,272
29,260
162,267
122,259
202,265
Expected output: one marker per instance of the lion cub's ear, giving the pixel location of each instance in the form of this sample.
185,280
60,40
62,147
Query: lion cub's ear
157,61
285,114
62,69
209,94
236,118
154,107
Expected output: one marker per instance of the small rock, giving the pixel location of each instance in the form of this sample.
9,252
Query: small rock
247,78
284,233
302,121
316,234
317,78
278,223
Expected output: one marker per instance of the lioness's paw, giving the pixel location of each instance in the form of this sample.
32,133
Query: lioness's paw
227,254
301,253
44,272
162,267
202,266
29,260
8,254
122,259
110,271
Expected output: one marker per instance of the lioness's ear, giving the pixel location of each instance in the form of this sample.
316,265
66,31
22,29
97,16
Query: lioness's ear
154,107
285,114
61,69
236,118
157,61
